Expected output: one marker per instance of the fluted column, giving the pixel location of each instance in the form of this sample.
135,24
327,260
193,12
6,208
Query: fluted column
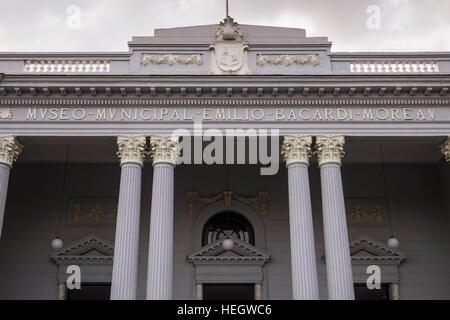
165,152
445,148
10,148
297,152
126,248
330,150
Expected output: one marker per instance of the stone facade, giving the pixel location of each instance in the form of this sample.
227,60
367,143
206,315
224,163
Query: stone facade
105,167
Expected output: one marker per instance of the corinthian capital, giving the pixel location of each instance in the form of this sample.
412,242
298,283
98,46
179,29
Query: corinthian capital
10,148
131,148
296,149
330,149
165,149
445,148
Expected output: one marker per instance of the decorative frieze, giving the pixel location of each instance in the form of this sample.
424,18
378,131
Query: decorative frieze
171,59
91,211
262,199
394,67
132,148
362,211
445,148
296,149
10,148
287,60
409,102
165,149
67,66
330,148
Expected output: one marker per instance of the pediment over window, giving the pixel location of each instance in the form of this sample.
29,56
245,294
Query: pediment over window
90,249
241,252
367,250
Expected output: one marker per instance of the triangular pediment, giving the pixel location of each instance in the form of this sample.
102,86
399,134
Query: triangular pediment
90,249
368,249
241,251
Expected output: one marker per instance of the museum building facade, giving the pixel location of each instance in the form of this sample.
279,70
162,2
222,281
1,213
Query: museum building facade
225,162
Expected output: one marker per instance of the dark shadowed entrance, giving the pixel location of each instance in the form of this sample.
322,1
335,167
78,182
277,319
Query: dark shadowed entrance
228,292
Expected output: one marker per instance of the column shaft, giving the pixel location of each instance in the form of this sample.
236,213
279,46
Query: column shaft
160,256
303,256
4,179
126,248
132,150
337,251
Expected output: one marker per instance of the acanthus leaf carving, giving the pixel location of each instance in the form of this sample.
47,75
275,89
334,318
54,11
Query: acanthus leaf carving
296,149
10,149
165,149
330,148
132,148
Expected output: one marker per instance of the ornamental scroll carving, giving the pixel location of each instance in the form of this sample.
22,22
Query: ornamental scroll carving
287,60
92,211
261,201
6,114
357,214
95,213
171,59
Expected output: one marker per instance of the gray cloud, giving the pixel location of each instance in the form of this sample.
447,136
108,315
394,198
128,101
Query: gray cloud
107,25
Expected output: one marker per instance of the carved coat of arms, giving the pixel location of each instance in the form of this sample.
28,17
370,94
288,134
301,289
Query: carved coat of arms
229,52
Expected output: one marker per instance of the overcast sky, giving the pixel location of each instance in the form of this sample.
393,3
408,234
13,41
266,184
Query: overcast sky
107,25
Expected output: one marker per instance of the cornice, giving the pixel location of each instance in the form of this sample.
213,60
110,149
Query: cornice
219,102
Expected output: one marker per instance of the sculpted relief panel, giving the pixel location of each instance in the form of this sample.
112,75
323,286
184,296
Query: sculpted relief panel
287,60
171,59
229,52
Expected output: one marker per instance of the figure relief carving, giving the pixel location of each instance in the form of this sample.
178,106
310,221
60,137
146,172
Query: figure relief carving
296,149
330,149
10,149
229,52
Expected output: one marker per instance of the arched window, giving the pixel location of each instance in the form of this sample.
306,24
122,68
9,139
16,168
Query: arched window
228,225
